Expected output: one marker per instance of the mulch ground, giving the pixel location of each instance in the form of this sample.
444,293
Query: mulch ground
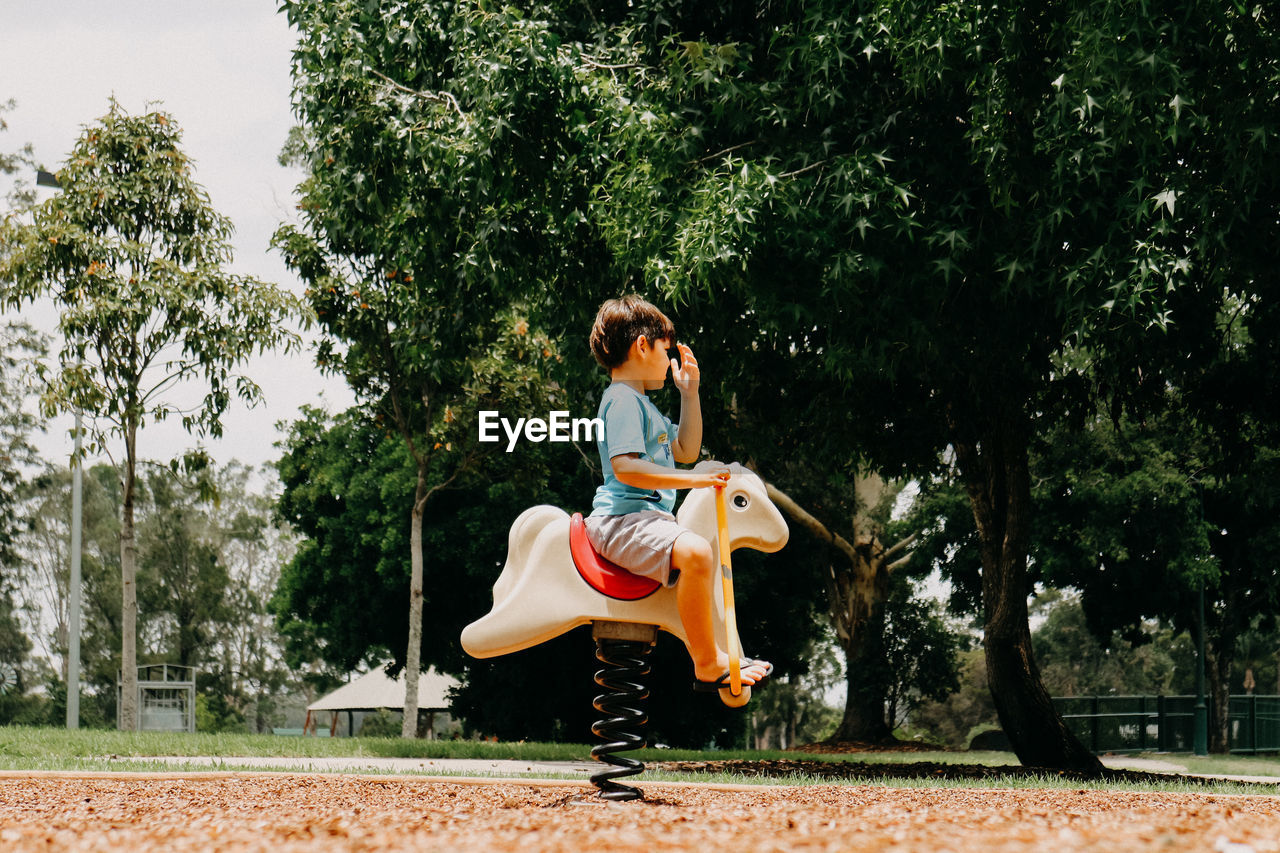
285,813
852,770
874,771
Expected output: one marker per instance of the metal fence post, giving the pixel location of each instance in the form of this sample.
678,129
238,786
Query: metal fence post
1093,723
1162,739
1253,723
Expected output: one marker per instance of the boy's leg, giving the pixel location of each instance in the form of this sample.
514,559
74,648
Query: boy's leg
695,597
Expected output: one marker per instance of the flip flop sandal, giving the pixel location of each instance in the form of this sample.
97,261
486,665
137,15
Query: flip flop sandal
723,682
700,686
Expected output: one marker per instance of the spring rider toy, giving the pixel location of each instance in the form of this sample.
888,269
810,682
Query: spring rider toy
553,581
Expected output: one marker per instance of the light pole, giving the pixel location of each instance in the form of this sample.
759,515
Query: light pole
1200,721
47,179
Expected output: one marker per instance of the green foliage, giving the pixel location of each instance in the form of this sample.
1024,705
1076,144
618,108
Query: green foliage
954,721
907,226
21,347
793,710
382,723
416,249
19,192
207,568
184,582
1074,662
134,255
1257,653
1122,519
43,548
921,649
347,491
345,488
213,715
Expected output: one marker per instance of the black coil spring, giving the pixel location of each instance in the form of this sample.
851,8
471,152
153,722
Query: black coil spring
625,662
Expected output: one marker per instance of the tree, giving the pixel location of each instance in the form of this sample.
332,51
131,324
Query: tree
957,202
42,549
206,570
1075,662
135,257
921,650
253,547
1139,516
955,720
20,346
420,257
187,582
958,198
212,555
18,193
345,482
858,580
1142,517
793,711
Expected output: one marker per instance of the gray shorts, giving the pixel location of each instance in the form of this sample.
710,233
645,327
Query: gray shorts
640,542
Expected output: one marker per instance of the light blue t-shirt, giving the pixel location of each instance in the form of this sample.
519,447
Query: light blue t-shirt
632,424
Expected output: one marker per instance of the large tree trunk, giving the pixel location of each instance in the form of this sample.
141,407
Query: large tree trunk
413,655
862,637
128,713
997,478
1222,626
857,590
1217,673
864,707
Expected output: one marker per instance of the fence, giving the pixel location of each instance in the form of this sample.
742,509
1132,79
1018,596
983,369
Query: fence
1167,723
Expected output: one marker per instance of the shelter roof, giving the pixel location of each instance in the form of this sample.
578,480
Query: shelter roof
375,690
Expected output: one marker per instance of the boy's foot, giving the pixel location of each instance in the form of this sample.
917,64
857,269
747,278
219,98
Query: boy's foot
753,674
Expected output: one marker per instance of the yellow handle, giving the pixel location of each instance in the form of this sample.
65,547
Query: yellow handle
726,581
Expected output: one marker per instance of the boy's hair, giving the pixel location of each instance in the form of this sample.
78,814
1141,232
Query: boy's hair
620,322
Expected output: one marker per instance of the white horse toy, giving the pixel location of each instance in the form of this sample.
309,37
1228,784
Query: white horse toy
553,580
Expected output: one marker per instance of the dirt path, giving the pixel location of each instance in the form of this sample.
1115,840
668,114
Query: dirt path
282,813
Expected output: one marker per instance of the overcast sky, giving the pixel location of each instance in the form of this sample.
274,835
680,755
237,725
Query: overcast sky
221,69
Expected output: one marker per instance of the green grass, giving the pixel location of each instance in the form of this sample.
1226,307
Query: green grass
1216,765
19,744
89,750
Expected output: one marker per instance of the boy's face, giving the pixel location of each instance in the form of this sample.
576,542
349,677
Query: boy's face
654,361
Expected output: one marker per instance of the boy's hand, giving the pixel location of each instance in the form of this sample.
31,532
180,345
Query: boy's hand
684,373
714,477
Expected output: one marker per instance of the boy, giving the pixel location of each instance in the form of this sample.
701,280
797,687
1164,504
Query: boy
631,521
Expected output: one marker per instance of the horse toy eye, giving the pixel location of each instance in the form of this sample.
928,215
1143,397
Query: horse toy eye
741,501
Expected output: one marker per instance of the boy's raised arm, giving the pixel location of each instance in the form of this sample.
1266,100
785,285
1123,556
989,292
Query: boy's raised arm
685,374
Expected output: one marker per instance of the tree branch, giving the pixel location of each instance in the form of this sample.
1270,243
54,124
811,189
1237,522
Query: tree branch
899,546
813,525
592,62
897,564
728,150
433,97
803,169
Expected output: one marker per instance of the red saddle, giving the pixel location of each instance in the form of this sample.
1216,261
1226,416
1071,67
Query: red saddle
603,576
